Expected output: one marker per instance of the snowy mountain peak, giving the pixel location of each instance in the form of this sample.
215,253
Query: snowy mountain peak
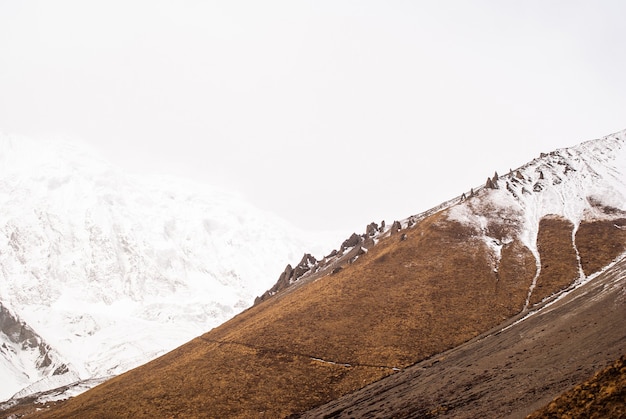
110,269
582,183
587,181
572,182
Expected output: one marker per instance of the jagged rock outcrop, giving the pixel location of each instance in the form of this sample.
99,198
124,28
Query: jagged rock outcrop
305,265
349,251
332,254
289,276
21,345
371,229
351,241
395,227
21,334
510,189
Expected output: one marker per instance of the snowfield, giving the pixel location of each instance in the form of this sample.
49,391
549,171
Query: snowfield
575,183
112,270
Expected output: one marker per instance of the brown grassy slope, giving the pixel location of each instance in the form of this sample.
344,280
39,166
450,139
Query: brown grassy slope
401,302
559,266
599,242
602,397
509,372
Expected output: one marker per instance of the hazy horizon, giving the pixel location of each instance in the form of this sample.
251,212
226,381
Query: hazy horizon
328,114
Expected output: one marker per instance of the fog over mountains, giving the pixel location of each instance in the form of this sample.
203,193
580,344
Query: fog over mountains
101,271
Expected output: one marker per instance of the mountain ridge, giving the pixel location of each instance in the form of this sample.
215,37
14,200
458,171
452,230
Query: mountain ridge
453,275
516,184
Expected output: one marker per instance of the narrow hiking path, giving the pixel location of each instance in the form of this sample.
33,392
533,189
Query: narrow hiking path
301,355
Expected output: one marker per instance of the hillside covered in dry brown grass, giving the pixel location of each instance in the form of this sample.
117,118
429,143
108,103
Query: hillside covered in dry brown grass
401,302
510,371
602,396
417,293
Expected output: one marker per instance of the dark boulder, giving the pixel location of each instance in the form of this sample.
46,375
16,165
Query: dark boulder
395,227
371,229
352,241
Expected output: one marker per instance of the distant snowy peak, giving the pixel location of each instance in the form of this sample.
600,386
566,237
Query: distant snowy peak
586,181
72,217
572,182
579,184
113,269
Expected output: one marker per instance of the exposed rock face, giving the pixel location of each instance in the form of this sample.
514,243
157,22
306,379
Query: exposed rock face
21,345
351,241
395,227
19,333
371,229
304,266
350,250
332,254
289,276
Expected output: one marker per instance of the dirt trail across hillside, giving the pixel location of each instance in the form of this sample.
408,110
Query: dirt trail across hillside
510,372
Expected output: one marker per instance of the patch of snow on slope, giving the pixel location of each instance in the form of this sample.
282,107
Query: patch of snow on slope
574,183
565,182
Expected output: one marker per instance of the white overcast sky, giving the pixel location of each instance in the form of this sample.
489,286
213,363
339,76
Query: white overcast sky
330,114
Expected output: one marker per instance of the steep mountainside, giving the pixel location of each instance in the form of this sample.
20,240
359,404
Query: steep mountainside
418,288
101,271
510,371
25,354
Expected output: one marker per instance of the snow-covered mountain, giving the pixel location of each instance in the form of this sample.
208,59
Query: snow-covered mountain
582,183
489,262
101,271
